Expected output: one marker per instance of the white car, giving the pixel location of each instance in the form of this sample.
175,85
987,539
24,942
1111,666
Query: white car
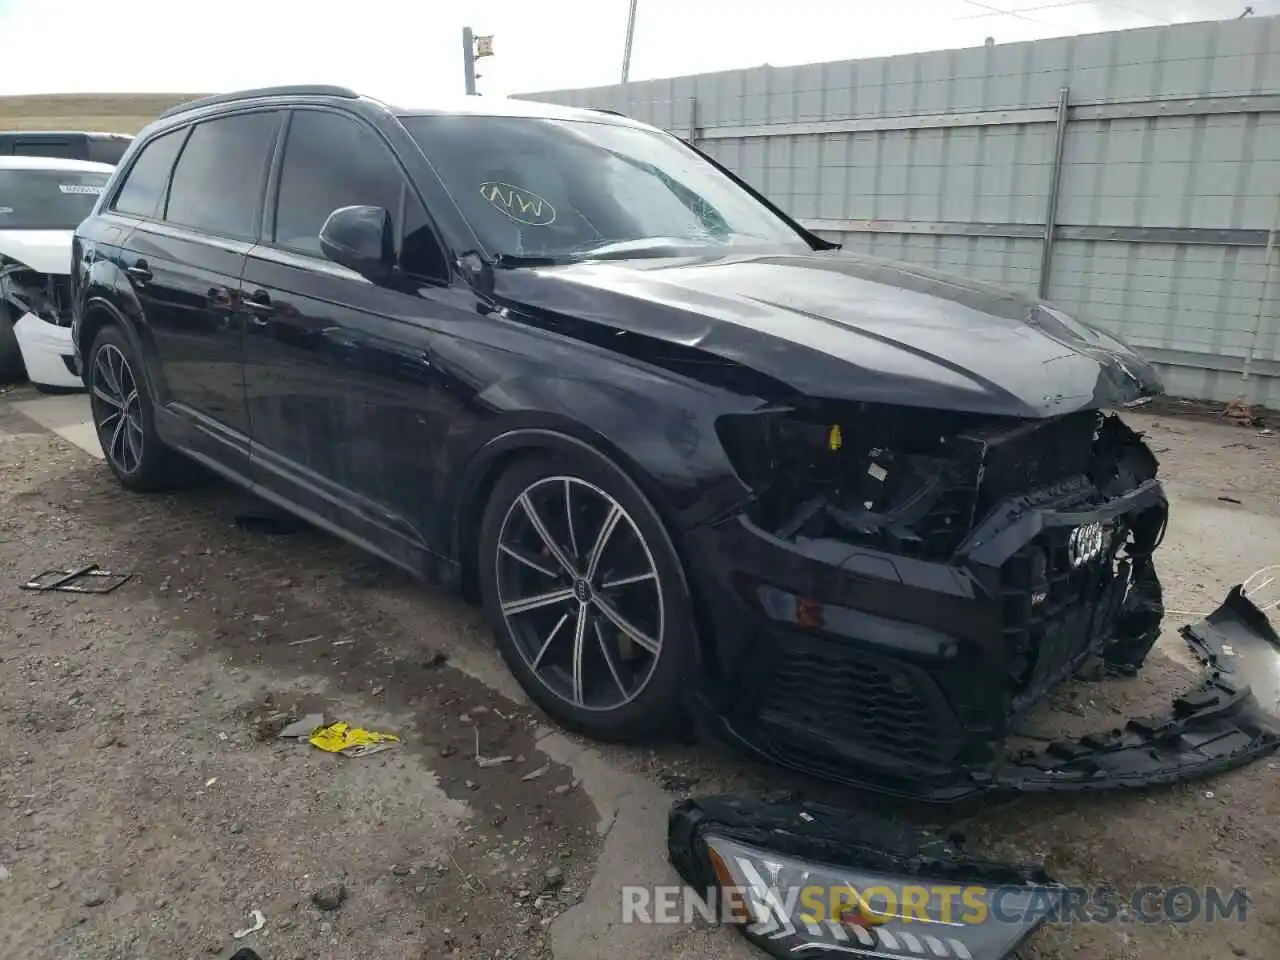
42,201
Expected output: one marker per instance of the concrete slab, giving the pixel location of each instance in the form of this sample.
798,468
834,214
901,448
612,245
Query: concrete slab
66,415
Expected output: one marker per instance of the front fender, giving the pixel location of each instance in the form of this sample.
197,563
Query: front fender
668,446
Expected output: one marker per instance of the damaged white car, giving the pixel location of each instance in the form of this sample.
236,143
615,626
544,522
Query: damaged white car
42,200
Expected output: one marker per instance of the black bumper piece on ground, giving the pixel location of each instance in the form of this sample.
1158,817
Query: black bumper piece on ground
1230,718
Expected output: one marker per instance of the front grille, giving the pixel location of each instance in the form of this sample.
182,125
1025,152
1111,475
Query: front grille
1033,456
994,465
1054,614
820,693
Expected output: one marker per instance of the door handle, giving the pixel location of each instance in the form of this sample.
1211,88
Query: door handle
139,271
260,306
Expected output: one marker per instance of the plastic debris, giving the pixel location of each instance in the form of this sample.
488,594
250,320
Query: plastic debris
86,579
259,921
302,727
535,774
488,761
351,741
211,781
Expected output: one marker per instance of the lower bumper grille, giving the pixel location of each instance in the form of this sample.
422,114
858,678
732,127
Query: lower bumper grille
823,697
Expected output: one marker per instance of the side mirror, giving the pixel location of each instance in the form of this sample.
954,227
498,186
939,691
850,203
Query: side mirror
360,238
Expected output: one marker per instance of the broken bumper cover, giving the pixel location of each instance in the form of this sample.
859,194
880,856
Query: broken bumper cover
1229,719
848,693
47,352
810,880
897,674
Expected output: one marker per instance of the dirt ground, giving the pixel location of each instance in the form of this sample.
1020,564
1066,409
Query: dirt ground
110,113
146,809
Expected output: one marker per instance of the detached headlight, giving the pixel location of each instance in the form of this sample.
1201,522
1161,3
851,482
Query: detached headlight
791,905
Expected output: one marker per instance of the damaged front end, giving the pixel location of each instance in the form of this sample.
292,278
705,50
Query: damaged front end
43,295
916,581
805,879
38,306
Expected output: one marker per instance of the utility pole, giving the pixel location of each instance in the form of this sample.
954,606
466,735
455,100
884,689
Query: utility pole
469,60
473,48
631,33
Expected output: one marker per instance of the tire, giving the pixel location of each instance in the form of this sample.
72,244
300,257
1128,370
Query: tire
625,689
135,453
12,367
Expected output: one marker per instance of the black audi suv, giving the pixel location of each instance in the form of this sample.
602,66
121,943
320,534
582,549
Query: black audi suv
695,460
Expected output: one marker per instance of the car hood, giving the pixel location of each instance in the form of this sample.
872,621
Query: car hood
45,251
841,326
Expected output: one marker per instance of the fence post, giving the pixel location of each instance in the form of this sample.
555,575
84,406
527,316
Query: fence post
1264,299
1051,207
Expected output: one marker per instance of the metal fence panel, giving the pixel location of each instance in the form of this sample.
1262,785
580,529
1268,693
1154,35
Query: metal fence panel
1169,179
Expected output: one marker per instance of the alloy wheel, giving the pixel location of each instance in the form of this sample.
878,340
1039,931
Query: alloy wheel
117,409
580,593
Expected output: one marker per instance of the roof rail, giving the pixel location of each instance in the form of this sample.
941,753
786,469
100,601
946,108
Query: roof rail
615,113
292,90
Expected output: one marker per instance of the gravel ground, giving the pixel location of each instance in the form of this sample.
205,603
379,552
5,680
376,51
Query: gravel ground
146,810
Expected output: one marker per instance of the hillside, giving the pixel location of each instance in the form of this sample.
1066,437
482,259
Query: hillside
110,112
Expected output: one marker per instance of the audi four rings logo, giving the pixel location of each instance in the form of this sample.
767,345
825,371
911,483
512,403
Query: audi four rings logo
1086,543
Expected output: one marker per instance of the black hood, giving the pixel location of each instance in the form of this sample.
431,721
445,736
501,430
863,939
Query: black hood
841,326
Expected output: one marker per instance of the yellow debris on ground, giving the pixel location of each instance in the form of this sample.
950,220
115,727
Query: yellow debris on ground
351,741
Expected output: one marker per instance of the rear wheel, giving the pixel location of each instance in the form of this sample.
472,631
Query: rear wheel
586,596
123,416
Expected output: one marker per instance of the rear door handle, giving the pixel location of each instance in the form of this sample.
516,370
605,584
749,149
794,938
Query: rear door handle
140,271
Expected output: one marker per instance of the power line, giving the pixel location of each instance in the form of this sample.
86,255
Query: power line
993,12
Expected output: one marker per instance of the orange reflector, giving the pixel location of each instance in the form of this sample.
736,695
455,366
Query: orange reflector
727,885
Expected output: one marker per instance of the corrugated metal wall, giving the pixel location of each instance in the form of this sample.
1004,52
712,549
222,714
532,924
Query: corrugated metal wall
1169,183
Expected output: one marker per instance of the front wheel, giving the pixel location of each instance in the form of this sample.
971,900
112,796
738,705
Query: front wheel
587,597
123,416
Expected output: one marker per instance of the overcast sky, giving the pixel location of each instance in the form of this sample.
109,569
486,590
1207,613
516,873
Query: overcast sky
407,51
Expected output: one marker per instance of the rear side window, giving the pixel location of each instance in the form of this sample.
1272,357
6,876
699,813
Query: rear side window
68,149
47,199
331,161
217,184
142,193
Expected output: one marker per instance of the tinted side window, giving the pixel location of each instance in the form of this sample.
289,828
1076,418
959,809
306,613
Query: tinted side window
331,161
71,150
218,181
142,193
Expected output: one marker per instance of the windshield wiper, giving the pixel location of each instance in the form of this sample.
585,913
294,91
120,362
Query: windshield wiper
513,260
